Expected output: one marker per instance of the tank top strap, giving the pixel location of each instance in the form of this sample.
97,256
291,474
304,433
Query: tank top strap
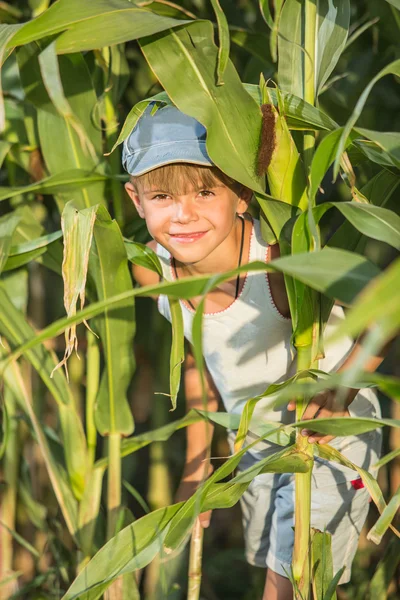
258,246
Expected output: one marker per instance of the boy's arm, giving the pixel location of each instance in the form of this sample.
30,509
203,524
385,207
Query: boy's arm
326,404
199,435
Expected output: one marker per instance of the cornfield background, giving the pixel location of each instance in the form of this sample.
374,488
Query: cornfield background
101,454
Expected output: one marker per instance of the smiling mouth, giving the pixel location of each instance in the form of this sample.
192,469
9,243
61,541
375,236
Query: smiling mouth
187,237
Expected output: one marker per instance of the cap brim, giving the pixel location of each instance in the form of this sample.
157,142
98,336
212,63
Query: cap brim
146,160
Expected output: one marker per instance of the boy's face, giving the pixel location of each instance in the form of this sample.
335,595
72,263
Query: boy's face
190,226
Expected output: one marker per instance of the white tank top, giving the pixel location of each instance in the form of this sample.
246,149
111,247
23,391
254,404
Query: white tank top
247,345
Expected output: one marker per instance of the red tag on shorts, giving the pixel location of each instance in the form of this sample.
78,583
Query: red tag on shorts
357,483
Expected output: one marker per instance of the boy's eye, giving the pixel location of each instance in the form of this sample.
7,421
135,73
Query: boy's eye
206,193
160,197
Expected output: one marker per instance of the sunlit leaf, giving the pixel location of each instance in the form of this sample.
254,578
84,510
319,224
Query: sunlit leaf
231,117
391,69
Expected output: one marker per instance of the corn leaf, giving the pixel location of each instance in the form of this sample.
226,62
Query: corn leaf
181,523
77,227
386,568
336,273
387,458
395,3
249,407
254,42
223,40
23,253
231,117
15,328
4,148
391,69
340,426
330,453
131,549
88,26
140,254
51,76
66,151
162,434
323,158
378,304
89,509
177,349
387,141
55,184
109,270
8,224
332,24
64,495
382,525
285,173
322,563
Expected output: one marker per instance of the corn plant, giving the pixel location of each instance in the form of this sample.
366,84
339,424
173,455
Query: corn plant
65,72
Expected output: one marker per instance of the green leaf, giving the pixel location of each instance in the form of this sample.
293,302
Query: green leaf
8,224
385,571
77,228
277,213
51,76
336,273
332,31
323,158
66,151
378,304
391,69
330,453
339,426
373,221
59,183
16,329
131,549
7,32
381,526
140,254
177,349
272,22
23,253
254,42
388,142
66,501
89,26
224,41
248,410
332,25
231,117
322,562
387,458
395,3
109,269
4,148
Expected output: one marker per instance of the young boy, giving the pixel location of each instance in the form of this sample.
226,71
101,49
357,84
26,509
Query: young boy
197,217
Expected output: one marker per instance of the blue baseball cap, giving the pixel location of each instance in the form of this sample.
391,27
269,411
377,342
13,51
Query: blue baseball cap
168,136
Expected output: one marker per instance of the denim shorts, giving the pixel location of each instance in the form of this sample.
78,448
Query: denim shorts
339,505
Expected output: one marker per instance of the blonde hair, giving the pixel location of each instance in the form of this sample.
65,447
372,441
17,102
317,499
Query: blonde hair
181,178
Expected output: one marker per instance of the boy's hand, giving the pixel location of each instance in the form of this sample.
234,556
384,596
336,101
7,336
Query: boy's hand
324,405
187,487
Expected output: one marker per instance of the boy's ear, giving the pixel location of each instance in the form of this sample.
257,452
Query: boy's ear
245,196
134,196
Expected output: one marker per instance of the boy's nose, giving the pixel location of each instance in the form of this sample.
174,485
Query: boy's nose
184,212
